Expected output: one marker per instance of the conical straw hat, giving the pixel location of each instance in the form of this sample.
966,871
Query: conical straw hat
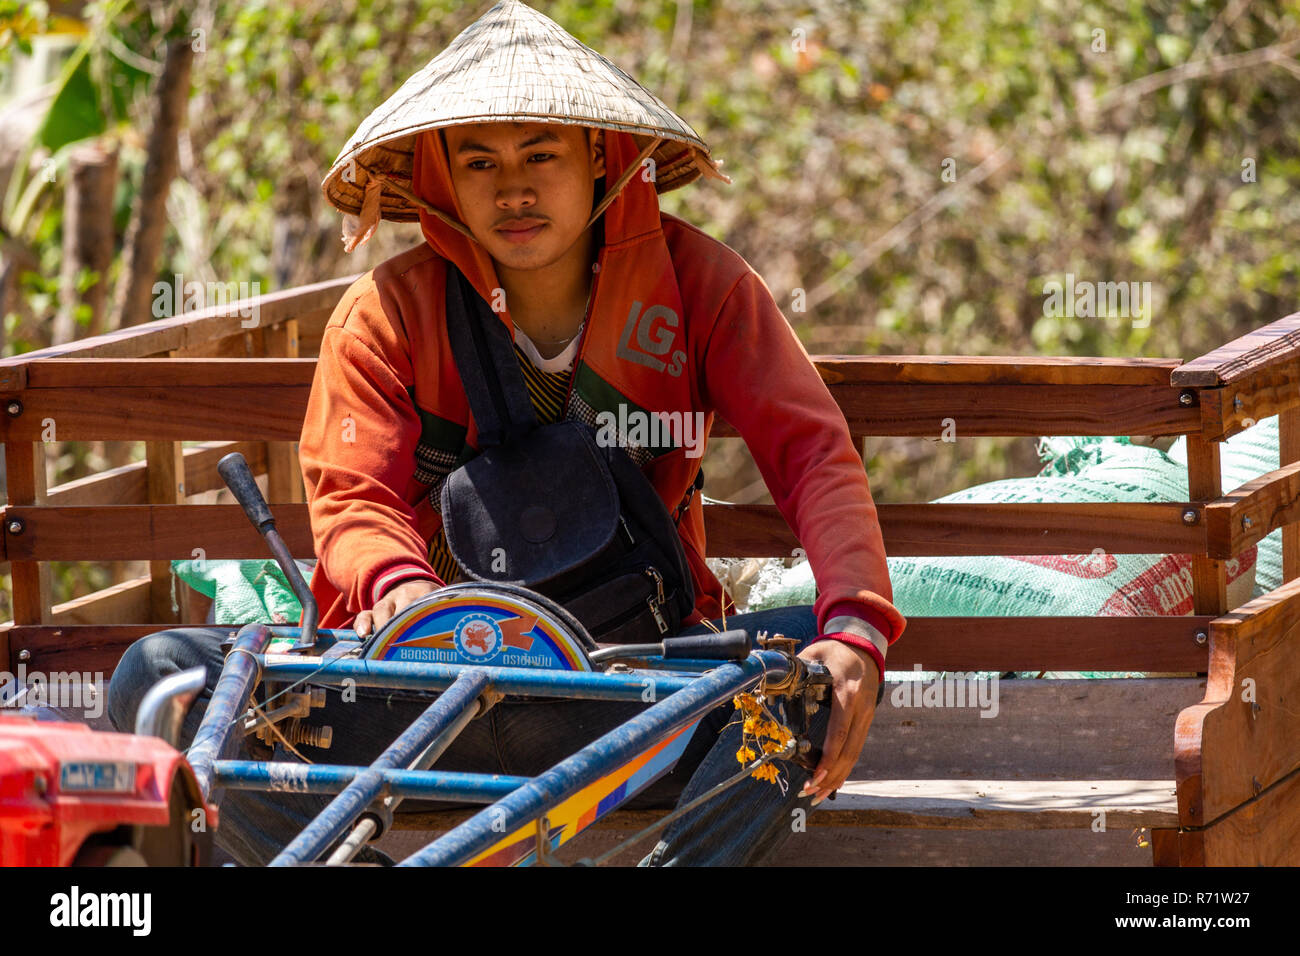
512,64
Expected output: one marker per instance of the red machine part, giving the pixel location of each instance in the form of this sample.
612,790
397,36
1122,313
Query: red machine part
62,783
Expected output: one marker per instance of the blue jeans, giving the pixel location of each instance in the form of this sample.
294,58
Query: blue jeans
743,826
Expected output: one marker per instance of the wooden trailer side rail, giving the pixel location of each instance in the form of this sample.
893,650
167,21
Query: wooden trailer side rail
191,378
1237,753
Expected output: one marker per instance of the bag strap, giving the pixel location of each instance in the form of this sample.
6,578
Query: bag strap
489,369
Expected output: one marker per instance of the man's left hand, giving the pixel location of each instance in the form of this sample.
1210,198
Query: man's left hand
854,683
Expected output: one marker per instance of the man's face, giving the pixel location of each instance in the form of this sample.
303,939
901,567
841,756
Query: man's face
535,175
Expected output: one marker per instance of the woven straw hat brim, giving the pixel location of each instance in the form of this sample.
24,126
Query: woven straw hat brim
511,65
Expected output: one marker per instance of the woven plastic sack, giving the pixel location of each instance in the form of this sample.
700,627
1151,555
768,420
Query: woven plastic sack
245,592
1243,457
1094,584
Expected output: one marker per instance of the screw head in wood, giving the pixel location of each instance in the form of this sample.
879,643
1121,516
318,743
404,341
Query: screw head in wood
1189,516
24,655
1186,399
14,408
15,526
1202,637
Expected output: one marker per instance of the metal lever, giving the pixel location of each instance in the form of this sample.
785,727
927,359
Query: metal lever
239,479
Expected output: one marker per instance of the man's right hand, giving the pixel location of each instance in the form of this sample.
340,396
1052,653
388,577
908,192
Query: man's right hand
392,602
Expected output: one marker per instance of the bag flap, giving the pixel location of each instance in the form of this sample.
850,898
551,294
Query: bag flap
529,511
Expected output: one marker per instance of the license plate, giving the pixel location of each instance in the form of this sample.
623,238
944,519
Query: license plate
99,776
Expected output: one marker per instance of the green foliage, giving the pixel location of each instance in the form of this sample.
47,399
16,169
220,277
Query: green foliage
835,119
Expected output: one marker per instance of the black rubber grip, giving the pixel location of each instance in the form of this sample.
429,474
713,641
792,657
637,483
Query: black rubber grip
727,646
239,479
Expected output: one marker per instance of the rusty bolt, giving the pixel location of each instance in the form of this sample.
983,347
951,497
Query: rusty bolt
1189,516
1201,638
14,408
15,526
1186,399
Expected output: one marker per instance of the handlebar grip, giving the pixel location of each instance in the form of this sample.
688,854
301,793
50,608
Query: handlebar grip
239,479
727,646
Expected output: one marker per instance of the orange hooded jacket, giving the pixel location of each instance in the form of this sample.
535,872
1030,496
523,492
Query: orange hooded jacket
678,322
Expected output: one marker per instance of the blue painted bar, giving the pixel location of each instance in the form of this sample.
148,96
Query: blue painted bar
294,631
284,777
405,675
344,809
588,765
217,732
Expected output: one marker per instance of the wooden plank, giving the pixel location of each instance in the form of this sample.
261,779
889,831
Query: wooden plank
1275,344
31,582
951,805
241,413
189,328
126,485
1204,483
1151,644
153,533
234,346
170,372
1008,804
834,369
1036,730
1245,735
127,601
1289,451
117,532
274,412
978,529
1232,409
994,370
119,603
94,648
1264,831
1249,513
1006,410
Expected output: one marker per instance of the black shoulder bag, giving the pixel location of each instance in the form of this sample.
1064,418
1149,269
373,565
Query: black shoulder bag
547,508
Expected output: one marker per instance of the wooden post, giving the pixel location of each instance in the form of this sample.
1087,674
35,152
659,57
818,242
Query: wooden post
165,484
1289,451
32,585
283,472
1205,483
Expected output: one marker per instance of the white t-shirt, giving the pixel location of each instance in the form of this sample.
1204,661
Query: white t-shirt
561,362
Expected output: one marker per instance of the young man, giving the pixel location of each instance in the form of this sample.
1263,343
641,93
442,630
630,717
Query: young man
534,166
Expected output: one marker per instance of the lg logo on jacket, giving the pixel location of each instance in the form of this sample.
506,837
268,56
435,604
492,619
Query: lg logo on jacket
654,337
